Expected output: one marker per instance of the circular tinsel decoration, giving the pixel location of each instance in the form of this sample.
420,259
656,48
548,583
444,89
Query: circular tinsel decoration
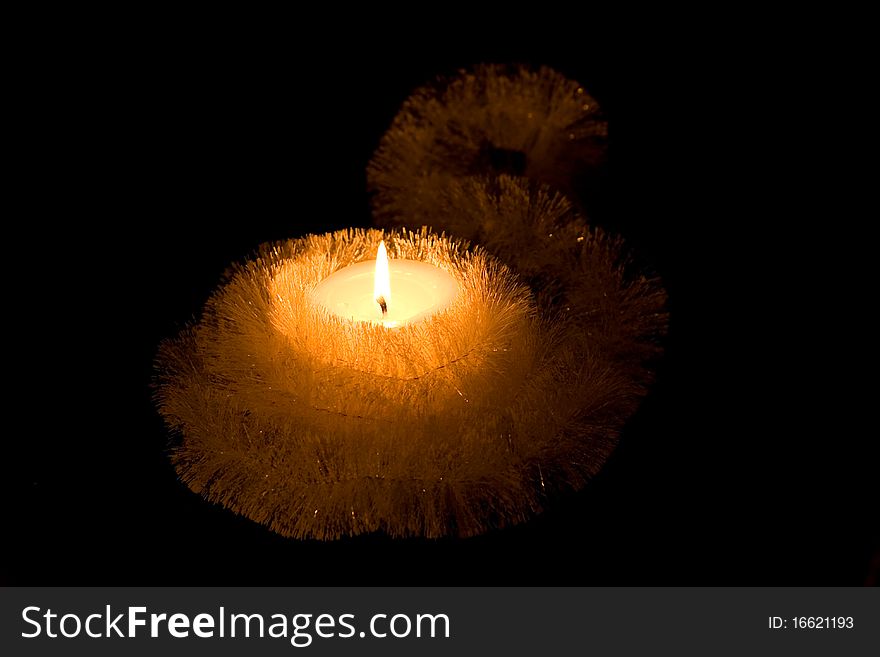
492,120
322,427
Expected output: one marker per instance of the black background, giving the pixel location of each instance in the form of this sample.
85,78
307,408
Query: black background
168,162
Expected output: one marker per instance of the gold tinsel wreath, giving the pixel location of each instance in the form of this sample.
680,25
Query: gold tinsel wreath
491,120
320,427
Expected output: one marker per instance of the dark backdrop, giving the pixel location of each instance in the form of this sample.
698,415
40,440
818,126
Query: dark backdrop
167,164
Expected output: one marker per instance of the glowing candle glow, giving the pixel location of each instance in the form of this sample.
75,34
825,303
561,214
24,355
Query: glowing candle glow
387,291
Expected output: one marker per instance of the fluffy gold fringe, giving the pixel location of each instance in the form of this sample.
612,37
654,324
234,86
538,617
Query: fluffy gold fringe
319,427
491,120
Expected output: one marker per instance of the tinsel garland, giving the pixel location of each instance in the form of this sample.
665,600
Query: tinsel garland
496,155
491,120
320,427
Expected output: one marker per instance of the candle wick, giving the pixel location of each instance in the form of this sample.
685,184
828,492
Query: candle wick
384,306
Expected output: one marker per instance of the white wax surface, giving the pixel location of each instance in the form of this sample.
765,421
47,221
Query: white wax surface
418,290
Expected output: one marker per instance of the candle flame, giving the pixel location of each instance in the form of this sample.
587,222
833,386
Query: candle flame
382,281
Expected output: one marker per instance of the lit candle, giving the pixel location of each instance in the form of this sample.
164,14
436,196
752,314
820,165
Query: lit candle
387,292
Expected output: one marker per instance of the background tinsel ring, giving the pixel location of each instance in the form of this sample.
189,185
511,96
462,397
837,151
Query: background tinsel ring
320,427
491,120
